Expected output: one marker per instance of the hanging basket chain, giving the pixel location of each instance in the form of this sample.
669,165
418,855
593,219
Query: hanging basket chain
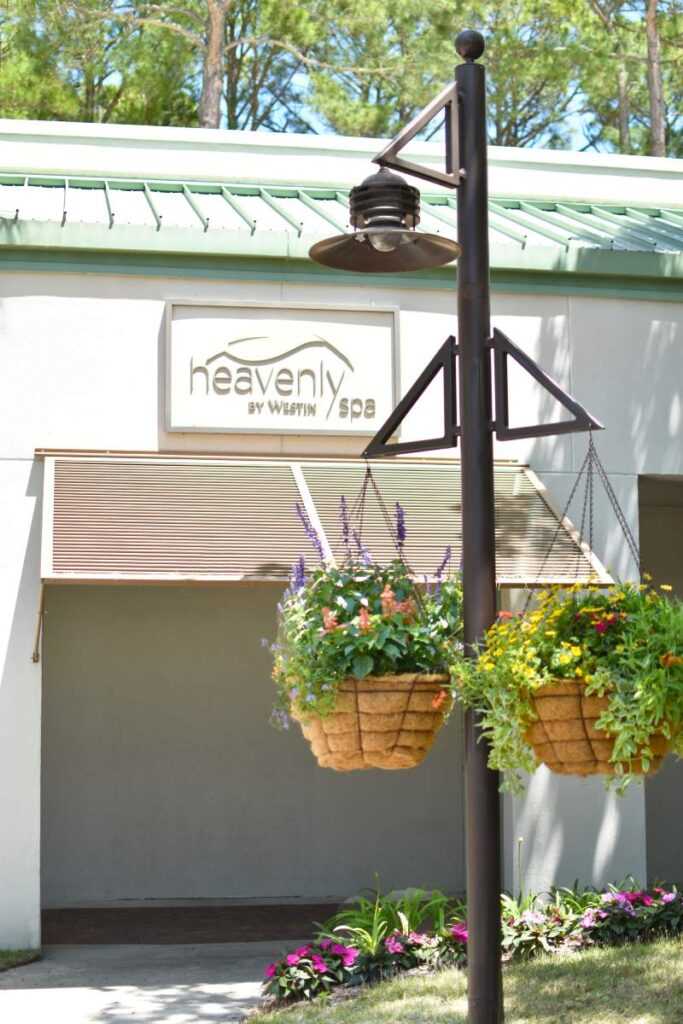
560,526
619,513
590,467
358,515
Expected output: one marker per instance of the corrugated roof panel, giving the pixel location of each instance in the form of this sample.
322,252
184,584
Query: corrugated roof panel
174,209
10,199
154,520
526,223
225,519
86,206
222,216
130,206
266,218
42,203
431,497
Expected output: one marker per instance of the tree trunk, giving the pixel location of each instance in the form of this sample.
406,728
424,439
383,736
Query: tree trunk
624,112
654,82
214,64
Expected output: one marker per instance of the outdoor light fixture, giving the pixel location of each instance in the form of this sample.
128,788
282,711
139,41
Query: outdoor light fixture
384,212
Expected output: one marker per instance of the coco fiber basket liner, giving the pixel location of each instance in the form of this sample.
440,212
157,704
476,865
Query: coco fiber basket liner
566,740
379,722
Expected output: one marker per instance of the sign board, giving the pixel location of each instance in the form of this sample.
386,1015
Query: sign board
279,369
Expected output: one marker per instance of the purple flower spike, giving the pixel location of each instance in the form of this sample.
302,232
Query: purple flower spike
345,524
309,531
362,550
400,525
299,574
443,565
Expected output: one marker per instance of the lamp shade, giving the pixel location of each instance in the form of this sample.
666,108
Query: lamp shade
384,211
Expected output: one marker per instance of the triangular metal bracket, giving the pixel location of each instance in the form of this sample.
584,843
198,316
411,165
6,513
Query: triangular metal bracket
446,100
444,360
582,420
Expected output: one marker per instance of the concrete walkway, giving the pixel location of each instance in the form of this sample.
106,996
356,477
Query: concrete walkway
138,984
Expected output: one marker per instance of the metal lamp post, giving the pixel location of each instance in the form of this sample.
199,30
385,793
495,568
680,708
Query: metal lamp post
384,212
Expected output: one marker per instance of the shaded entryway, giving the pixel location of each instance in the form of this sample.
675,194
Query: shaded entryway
164,782
661,547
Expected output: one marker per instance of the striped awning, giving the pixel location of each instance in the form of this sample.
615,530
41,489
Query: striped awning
156,518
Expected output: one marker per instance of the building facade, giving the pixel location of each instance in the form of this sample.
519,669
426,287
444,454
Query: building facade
136,760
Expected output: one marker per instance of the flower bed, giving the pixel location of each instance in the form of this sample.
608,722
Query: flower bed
565,920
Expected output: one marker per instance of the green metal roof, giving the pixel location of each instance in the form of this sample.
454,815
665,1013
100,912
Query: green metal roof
195,218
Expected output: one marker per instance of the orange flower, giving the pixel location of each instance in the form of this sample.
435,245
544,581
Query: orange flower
329,620
364,624
388,600
669,659
505,615
439,700
407,609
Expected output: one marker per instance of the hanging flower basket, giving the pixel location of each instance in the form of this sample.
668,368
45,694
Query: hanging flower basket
387,721
588,682
565,737
362,655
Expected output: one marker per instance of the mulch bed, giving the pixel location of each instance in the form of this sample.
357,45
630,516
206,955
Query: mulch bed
183,924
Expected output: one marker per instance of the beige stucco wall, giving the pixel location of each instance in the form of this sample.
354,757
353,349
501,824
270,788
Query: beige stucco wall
162,777
82,360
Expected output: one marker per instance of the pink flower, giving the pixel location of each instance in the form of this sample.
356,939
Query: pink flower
601,626
302,951
319,964
669,897
647,901
292,959
270,970
350,956
338,949
418,938
325,943
393,945
459,931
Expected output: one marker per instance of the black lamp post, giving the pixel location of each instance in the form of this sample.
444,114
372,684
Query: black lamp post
384,214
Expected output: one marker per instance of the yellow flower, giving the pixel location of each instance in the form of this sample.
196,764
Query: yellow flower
665,586
551,632
564,659
647,576
576,651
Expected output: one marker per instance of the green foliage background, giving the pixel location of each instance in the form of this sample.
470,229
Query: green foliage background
560,72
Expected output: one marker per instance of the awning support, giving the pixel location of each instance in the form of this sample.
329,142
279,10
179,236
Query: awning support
35,656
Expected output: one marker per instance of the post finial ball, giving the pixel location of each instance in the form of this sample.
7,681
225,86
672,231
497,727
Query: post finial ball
470,44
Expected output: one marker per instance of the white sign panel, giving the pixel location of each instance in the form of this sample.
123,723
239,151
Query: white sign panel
279,369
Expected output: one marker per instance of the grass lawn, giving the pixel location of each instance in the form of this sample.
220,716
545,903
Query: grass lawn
17,957
638,984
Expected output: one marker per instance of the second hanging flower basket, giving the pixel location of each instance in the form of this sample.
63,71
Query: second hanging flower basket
566,737
588,682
